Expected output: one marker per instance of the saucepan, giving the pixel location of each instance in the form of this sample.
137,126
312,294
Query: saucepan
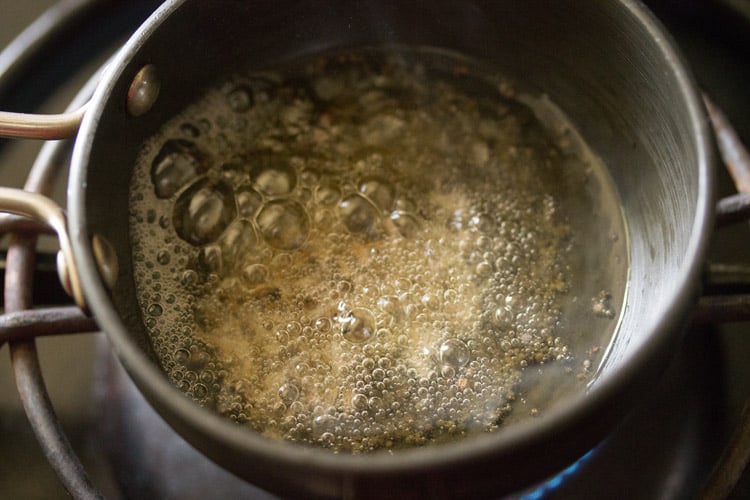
608,65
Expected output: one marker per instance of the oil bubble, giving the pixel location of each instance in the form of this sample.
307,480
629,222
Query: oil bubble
240,99
255,274
503,317
189,278
203,211
406,223
327,194
238,240
391,305
484,223
200,391
155,310
378,191
323,424
454,352
248,201
323,325
178,162
232,172
430,301
210,259
357,326
288,393
272,181
163,257
359,215
359,401
284,224
483,269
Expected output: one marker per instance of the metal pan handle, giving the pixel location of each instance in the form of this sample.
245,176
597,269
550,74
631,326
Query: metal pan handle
43,209
46,127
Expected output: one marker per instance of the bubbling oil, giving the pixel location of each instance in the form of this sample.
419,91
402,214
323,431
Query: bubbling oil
371,249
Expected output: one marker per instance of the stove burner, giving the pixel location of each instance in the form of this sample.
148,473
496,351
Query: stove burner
549,487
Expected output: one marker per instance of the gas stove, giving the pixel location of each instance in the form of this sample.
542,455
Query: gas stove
669,447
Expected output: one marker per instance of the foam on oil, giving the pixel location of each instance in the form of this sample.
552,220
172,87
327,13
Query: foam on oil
374,249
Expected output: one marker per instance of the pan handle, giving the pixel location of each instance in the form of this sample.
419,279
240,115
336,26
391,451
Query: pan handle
142,94
47,127
43,209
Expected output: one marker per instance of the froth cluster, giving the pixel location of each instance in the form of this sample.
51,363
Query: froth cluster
359,251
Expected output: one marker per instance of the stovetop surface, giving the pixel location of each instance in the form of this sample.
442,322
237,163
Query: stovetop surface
666,449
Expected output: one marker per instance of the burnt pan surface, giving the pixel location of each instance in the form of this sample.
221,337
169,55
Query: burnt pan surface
606,64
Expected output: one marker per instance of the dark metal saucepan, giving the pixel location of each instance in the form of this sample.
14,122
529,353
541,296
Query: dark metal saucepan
607,64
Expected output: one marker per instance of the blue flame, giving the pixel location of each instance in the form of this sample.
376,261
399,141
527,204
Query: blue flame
554,483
